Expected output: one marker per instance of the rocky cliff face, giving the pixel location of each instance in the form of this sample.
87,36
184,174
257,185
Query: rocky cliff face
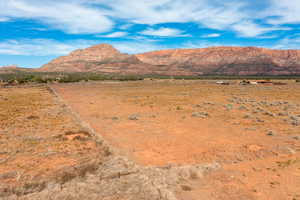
228,60
215,60
102,58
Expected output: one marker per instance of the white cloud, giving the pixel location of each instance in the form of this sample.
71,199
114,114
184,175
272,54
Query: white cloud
250,29
41,47
125,26
100,16
212,35
47,47
4,19
287,43
163,32
286,11
114,35
267,36
211,13
234,15
70,17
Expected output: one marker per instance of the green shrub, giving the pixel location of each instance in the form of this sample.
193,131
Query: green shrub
130,78
46,77
39,79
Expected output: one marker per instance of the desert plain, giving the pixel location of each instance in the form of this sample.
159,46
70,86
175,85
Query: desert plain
151,139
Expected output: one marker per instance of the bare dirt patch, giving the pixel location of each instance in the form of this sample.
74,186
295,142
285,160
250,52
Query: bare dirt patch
48,152
35,142
249,130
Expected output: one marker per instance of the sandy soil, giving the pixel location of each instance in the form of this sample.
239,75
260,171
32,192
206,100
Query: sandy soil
40,141
252,131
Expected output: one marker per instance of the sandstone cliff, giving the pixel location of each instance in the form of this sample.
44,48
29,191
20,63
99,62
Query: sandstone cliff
228,60
100,58
214,60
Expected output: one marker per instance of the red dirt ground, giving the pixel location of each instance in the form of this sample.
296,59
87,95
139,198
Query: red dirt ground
37,140
250,130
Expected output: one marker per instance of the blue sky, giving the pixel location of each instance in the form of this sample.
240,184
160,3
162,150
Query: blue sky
32,32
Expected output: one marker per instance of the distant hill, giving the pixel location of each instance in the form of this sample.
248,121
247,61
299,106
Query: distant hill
214,60
100,58
13,69
227,60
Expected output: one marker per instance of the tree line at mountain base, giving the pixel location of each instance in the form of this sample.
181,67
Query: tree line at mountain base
60,77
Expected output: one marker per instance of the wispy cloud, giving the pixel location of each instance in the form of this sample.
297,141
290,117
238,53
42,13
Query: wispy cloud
283,12
237,16
287,43
41,47
114,35
126,26
100,16
71,17
47,47
4,19
215,14
250,29
268,36
212,35
164,32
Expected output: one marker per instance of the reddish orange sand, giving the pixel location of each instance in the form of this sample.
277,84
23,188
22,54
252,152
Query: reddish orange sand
160,123
36,143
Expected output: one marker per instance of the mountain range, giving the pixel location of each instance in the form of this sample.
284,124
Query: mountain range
104,58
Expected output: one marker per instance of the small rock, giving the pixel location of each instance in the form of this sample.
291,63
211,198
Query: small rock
283,114
297,137
290,150
269,114
133,117
200,114
294,118
208,103
271,133
178,108
32,117
259,120
250,129
186,188
295,123
49,153
247,117
115,118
